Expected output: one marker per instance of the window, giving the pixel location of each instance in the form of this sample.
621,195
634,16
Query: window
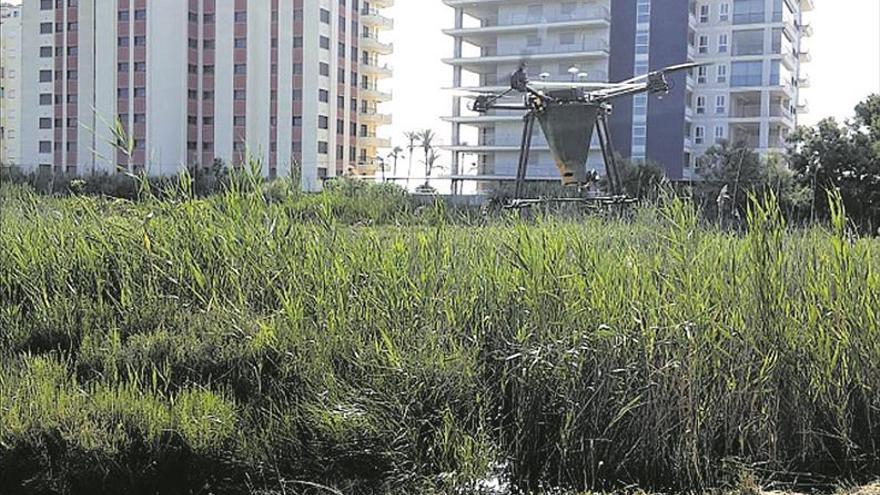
122,93
140,15
240,69
746,74
45,28
701,105
45,99
240,42
297,121
324,42
45,51
140,66
721,73
567,38
208,69
340,126
643,11
241,16
703,45
719,134
45,123
323,147
702,74
239,94
723,43
208,44
45,4
640,104
323,122
699,134
640,135
71,122
704,14
324,69
140,92
535,12
140,41
239,121
724,12
323,96
720,104
208,18
45,146
122,67
208,95
325,16
748,42
297,42
748,11
140,118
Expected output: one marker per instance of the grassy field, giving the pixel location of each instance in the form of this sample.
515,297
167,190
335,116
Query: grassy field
265,342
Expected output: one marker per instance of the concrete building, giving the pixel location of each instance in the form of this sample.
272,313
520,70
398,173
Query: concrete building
749,93
10,83
293,83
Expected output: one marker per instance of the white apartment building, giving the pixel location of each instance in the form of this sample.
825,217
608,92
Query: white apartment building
751,91
10,83
291,83
491,39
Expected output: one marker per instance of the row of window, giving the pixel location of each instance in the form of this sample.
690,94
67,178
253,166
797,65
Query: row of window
700,134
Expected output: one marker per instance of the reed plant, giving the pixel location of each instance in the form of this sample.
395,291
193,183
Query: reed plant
262,338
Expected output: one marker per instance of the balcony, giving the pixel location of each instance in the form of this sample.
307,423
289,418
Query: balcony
804,81
373,18
370,140
373,116
588,49
372,92
487,34
375,69
483,120
805,55
382,4
371,43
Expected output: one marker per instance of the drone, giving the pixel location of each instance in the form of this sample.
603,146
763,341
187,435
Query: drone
568,113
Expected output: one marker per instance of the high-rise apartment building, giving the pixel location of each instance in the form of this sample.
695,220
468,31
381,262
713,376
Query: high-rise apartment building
287,82
747,93
10,83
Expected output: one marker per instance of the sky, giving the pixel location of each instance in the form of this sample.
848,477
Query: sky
845,67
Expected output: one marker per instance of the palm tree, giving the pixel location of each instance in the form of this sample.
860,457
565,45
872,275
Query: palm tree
412,137
426,141
396,153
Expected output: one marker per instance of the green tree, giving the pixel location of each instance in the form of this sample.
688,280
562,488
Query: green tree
845,157
641,180
728,175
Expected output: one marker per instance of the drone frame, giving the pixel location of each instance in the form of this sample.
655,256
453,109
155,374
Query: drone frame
537,98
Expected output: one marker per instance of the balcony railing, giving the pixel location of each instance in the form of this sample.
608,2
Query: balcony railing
591,45
579,14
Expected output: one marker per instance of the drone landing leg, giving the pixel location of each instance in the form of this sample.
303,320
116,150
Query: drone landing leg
524,150
608,156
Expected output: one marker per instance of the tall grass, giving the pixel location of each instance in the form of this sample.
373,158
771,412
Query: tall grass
259,338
